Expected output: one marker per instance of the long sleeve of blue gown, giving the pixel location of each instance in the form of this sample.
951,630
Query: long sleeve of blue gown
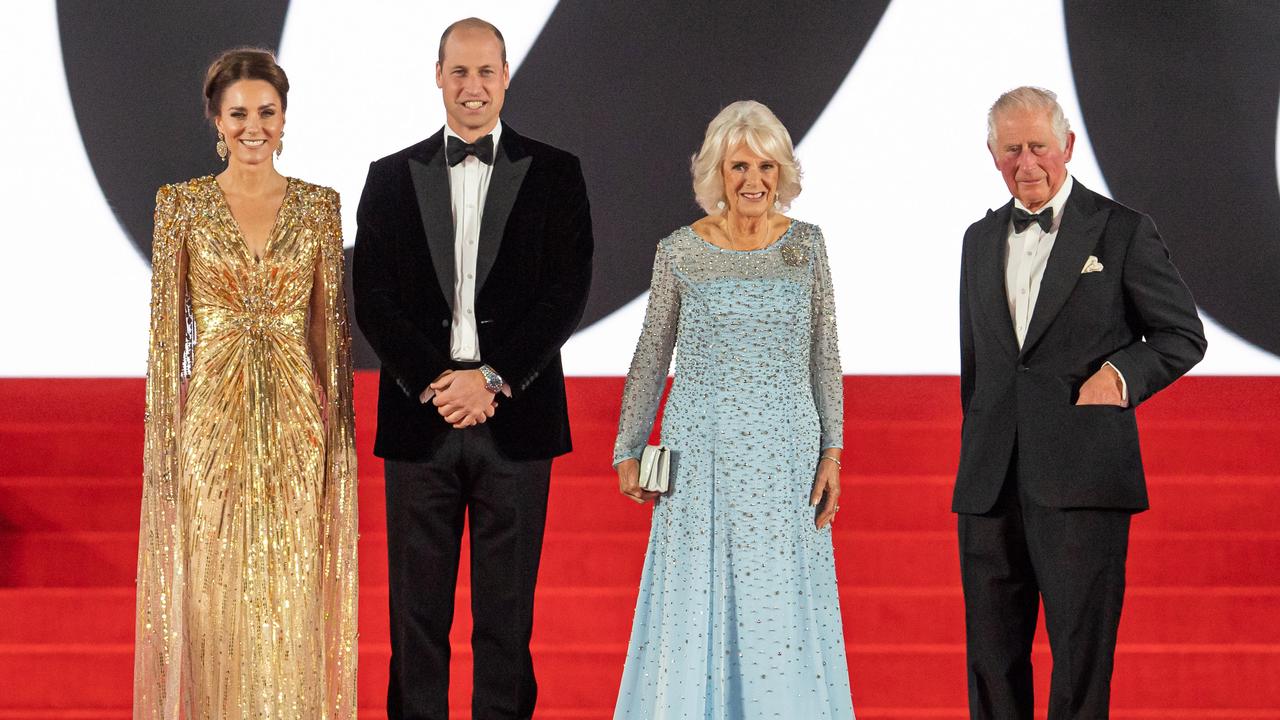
825,372
652,359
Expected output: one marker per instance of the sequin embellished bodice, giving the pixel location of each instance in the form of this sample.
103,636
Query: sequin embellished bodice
760,320
235,296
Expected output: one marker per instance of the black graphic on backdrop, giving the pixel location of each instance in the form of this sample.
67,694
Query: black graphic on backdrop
1180,101
135,73
629,87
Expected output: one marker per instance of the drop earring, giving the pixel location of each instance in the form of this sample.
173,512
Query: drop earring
222,148
720,205
280,145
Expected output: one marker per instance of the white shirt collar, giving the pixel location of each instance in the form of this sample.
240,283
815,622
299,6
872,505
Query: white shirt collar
1059,199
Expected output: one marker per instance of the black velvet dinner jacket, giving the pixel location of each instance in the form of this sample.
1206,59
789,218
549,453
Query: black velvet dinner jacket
1135,313
533,273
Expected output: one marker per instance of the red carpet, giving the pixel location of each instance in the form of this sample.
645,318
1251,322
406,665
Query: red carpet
1200,636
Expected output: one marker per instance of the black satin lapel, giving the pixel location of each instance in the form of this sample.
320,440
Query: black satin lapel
1078,235
509,168
431,186
987,273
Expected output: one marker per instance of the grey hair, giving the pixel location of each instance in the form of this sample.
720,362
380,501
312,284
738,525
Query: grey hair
1029,97
750,122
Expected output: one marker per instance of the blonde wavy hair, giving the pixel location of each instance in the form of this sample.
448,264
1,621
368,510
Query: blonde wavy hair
750,122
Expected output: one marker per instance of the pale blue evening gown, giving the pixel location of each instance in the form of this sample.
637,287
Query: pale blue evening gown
738,614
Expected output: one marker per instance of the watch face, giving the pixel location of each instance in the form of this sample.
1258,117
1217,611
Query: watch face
492,380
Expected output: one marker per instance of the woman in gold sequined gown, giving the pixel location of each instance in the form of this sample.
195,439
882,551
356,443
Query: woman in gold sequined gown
247,553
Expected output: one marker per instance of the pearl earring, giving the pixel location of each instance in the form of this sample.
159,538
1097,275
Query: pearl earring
720,204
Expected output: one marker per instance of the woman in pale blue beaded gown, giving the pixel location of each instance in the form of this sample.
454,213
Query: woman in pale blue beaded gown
738,614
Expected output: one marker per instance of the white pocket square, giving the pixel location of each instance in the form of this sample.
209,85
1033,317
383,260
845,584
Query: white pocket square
1091,265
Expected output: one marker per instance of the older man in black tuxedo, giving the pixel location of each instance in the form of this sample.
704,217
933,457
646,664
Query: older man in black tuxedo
472,264
1071,314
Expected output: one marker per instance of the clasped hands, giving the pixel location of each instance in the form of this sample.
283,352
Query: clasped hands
461,398
1103,388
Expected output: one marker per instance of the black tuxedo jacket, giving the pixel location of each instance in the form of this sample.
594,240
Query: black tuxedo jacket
1136,313
533,271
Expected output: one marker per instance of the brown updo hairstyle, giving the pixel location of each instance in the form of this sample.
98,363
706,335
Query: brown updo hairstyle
242,64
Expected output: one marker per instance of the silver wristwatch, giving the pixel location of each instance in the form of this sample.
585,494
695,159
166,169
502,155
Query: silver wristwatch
493,382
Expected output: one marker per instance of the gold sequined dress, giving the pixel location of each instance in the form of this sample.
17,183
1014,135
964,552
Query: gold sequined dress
247,582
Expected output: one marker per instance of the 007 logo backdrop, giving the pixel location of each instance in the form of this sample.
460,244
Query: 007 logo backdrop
1180,99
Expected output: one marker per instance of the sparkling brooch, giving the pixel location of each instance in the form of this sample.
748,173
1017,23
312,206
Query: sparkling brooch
793,255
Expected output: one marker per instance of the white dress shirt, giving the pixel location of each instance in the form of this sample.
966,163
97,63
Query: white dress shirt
1026,258
468,188
1025,261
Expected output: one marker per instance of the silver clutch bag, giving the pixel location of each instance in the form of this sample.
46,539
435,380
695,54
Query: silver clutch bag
655,468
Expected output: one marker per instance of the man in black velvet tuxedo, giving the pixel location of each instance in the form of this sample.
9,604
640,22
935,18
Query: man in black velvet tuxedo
1071,314
472,264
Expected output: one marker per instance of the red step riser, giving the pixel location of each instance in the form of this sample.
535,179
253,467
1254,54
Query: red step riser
374,711
883,448
592,503
364,712
878,615
596,399
865,712
1176,678
863,559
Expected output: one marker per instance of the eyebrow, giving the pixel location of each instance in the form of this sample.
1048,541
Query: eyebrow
260,107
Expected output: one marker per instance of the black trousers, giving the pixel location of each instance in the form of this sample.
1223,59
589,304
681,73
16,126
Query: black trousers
505,502
1010,558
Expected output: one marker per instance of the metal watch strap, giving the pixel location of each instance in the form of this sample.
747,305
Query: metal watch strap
493,382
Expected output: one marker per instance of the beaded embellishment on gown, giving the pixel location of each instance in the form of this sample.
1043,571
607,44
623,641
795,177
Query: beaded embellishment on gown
738,614
247,554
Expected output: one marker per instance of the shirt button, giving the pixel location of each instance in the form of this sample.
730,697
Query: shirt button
1028,253
468,312
470,276
1023,291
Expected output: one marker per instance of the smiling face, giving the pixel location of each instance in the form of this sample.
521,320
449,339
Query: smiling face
473,80
251,120
1029,156
750,181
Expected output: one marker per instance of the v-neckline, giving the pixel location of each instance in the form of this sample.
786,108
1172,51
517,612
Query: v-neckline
235,224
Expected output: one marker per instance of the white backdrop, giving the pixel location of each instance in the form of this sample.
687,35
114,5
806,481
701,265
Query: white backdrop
905,135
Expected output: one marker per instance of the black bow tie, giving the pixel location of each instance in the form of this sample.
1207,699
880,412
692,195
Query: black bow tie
456,150
1022,218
